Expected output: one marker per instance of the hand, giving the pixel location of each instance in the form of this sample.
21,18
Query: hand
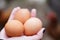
38,36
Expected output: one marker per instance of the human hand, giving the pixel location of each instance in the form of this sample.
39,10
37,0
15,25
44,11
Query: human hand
38,36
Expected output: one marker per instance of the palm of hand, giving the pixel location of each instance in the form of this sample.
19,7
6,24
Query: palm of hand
38,36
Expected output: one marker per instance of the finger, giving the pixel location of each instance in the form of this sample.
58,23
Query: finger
3,34
13,12
34,37
38,36
41,31
33,13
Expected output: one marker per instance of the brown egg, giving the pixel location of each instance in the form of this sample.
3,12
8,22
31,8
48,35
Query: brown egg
14,28
22,15
32,26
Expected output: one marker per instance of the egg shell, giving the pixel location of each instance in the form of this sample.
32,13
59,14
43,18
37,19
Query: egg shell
14,28
32,26
22,15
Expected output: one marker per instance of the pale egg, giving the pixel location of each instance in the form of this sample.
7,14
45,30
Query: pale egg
22,15
14,28
32,26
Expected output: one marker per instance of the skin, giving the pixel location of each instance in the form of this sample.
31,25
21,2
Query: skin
38,36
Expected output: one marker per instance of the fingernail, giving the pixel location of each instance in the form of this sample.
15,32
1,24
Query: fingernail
43,31
18,7
1,39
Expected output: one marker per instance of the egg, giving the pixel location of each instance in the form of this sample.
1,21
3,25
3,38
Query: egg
22,15
14,28
32,26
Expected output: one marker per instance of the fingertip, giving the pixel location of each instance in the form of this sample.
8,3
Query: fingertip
13,12
15,9
41,31
18,7
33,13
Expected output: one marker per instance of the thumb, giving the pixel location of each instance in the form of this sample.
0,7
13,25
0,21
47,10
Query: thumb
38,36
40,33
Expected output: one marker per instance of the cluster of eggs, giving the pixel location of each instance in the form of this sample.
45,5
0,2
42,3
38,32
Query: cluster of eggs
23,24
